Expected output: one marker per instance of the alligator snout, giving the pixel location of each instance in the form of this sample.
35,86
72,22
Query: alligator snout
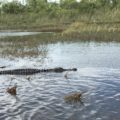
74,69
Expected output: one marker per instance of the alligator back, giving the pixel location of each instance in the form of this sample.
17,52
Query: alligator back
21,71
33,71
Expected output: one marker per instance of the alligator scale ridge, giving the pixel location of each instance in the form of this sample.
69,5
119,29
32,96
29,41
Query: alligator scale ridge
34,71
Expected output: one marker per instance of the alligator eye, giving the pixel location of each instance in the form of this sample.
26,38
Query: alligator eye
74,69
45,70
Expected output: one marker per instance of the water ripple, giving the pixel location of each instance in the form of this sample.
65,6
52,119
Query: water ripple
42,97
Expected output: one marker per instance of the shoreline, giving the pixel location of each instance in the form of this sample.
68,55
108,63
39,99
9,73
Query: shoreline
81,30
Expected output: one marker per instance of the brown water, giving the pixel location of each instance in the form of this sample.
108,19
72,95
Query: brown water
42,98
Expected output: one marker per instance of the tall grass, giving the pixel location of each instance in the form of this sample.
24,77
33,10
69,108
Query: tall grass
102,24
30,22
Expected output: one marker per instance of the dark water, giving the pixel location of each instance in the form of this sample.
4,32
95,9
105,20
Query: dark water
42,98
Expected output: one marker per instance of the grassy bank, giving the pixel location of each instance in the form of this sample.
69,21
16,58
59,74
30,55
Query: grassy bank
105,31
102,25
30,22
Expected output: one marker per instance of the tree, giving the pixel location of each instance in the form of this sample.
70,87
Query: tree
13,7
37,5
69,4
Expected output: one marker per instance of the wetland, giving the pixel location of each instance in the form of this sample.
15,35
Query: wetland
42,96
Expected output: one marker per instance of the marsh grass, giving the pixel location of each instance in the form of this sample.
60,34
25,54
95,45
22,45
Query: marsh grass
30,22
36,45
24,46
104,31
102,25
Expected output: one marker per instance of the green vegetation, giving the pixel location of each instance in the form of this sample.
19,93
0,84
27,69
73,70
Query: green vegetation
88,19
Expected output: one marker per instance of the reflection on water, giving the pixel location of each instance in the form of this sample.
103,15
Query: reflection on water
42,97
22,49
9,33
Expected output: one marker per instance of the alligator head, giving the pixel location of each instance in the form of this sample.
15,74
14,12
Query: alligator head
59,69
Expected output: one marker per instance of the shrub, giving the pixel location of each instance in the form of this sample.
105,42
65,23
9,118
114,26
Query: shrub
13,8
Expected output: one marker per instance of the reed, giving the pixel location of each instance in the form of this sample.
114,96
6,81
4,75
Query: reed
105,31
103,25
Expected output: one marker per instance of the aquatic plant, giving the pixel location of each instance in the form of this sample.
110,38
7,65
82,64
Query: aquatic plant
74,97
12,90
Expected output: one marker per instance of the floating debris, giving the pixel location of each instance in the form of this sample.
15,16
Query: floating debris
75,97
12,90
66,75
28,78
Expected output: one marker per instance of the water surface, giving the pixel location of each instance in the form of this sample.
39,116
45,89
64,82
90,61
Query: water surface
42,98
17,33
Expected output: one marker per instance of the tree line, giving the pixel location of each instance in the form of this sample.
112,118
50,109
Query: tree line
66,7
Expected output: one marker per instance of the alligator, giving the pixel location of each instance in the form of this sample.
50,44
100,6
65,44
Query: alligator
30,71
